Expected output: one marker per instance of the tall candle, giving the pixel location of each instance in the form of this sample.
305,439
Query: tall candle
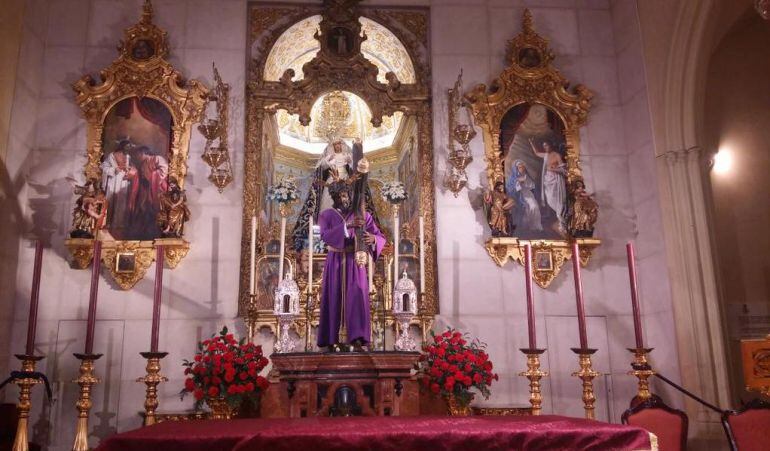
530,296
581,309
371,272
157,298
310,255
32,323
395,245
95,269
283,248
253,256
422,254
634,295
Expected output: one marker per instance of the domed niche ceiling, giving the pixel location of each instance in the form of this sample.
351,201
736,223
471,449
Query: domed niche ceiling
337,113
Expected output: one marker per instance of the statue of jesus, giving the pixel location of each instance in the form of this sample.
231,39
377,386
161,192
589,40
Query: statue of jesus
345,286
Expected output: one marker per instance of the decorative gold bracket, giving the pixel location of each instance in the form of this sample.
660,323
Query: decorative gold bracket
548,255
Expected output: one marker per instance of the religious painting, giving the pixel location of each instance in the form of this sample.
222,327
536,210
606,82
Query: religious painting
543,261
143,49
533,154
340,41
136,139
266,269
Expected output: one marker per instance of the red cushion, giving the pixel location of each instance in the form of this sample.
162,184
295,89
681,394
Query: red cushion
667,426
751,429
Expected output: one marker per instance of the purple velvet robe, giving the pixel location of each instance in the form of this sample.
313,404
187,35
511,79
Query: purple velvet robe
357,313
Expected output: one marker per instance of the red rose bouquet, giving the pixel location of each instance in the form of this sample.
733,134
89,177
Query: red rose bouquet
226,370
452,366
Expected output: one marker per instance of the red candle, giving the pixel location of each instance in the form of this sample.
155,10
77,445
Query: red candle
581,308
634,295
95,269
32,323
530,296
157,298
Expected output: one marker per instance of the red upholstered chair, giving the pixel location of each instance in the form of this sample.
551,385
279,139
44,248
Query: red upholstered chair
748,428
668,424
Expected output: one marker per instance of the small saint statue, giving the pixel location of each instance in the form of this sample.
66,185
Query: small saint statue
90,213
585,211
499,206
173,210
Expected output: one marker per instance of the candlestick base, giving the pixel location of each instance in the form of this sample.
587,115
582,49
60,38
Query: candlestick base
587,375
85,380
534,375
642,370
25,383
152,379
284,342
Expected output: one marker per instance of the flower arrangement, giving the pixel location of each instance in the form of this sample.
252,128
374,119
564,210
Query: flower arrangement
394,192
284,192
226,370
452,366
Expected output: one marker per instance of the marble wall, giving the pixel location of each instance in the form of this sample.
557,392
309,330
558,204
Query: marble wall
596,43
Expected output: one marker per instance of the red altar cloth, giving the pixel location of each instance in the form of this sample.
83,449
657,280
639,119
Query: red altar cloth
547,432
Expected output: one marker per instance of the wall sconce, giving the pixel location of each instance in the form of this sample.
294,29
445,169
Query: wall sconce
456,178
217,156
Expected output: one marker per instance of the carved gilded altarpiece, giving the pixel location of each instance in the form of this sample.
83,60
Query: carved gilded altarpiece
400,94
139,117
530,121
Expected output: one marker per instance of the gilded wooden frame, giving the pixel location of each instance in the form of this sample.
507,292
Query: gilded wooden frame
532,80
325,72
133,75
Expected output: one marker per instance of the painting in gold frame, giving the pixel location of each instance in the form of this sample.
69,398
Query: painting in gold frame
530,120
139,75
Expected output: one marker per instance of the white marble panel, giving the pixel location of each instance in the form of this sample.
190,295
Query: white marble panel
566,390
476,288
215,234
62,67
600,74
446,68
642,169
201,289
171,15
109,18
654,286
68,20
504,25
561,28
59,125
631,72
22,126
620,336
461,233
637,122
29,71
660,333
605,133
108,339
596,33
611,183
593,4
550,3
649,240
131,403
36,16
625,22
452,37
215,24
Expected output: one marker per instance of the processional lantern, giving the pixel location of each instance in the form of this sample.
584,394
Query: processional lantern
404,310
286,310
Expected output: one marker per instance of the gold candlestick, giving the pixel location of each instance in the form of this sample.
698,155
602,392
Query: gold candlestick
251,317
85,380
21,442
309,312
587,375
152,379
534,375
642,370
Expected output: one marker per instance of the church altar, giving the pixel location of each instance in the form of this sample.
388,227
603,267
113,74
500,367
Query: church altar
389,433
359,383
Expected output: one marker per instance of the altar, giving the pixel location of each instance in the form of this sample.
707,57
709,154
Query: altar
342,384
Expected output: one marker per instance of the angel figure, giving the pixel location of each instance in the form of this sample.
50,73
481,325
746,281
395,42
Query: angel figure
173,210
499,205
90,213
585,211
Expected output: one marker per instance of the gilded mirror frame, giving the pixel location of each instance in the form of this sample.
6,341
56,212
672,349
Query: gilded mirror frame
531,79
138,75
326,72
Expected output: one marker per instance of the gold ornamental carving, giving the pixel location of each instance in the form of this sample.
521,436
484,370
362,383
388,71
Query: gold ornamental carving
127,261
531,79
140,71
336,67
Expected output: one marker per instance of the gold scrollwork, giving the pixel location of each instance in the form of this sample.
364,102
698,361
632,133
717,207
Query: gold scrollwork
141,71
127,261
530,78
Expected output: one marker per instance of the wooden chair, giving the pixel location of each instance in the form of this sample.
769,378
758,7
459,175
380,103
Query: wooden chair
748,428
667,423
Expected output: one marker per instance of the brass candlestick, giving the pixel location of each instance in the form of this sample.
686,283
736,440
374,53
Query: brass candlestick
21,442
534,375
587,375
86,379
312,293
642,370
152,379
251,317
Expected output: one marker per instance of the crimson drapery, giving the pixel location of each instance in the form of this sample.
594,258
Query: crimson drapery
510,125
384,433
151,110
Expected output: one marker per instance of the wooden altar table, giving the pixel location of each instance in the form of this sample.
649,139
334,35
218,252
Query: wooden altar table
547,432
